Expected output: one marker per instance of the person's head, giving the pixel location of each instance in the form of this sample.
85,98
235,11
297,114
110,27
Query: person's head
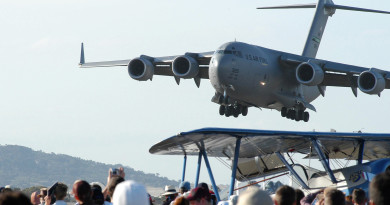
130,193
170,193
184,187
334,197
359,197
254,195
299,195
42,194
14,198
379,189
114,181
61,191
35,198
285,195
97,195
199,196
82,191
181,201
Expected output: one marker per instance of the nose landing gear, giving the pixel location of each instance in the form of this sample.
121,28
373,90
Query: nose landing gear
295,114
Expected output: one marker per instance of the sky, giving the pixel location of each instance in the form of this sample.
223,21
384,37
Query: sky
101,114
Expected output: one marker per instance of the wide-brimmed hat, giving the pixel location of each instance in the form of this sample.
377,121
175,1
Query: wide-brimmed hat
169,189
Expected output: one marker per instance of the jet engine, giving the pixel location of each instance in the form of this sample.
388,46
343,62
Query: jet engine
185,67
141,69
308,73
371,82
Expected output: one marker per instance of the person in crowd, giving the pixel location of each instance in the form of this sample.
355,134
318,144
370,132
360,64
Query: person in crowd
97,195
42,195
199,196
333,197
170,194
298,196
254,195
233,199
213,197
359,197
111,186
184,187
130,193
379,189
35,199
14,198
181,200
150,199
82,192
285,195
60,193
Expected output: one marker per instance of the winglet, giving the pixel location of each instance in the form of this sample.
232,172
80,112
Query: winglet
82,59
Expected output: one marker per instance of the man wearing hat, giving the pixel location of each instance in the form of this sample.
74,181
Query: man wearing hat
170,194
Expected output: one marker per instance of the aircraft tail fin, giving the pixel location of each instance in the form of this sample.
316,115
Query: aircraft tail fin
82,59
324,9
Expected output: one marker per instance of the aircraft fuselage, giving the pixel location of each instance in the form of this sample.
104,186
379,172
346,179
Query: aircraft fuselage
253,76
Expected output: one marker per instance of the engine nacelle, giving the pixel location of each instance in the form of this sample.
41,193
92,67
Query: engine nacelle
308,73
371,82
141,69
185,67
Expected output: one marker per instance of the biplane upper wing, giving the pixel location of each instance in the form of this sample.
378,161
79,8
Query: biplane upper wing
220,142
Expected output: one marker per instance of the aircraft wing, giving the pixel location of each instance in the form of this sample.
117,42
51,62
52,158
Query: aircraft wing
160,65
258,155
220,142
344,75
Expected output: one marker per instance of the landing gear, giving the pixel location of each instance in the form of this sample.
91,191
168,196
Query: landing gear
294,114
222,110
233,110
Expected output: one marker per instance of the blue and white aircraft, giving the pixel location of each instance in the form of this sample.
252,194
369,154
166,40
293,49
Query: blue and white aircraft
245,75
261,153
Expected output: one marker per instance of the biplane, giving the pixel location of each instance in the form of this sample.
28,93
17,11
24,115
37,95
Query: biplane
261,153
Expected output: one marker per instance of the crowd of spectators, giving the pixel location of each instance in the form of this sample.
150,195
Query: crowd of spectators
127,192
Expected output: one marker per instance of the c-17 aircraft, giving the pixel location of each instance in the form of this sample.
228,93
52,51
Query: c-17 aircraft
245,75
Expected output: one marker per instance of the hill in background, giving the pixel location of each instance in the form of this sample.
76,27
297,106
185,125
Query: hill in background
23,167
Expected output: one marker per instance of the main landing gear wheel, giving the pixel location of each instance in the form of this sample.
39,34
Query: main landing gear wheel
293,114
222,110
244,110
233,110
306,116
283,112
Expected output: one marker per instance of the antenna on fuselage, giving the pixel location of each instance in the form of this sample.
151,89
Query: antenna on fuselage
324,9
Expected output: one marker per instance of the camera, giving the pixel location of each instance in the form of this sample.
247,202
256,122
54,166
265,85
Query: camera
50,191
115,171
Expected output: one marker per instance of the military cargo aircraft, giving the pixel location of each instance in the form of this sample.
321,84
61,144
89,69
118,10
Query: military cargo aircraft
245,75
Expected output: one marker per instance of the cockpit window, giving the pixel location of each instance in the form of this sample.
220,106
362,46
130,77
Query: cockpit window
236,53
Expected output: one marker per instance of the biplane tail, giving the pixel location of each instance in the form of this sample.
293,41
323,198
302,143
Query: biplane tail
324,9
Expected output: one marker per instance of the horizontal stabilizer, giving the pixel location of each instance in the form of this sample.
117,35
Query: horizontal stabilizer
334,6
295,6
